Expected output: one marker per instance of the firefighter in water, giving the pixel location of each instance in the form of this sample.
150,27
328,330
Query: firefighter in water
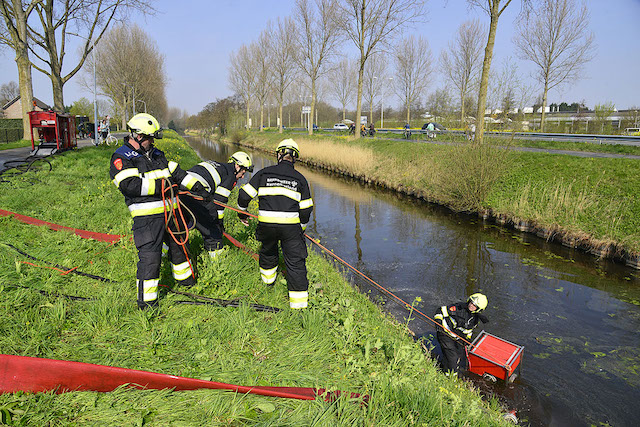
218,180
458,321
138,169
285,205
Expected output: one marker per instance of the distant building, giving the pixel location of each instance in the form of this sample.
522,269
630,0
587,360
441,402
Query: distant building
13,108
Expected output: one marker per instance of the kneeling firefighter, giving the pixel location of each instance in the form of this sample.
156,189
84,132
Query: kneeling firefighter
141,171
218,179
285,206
458,321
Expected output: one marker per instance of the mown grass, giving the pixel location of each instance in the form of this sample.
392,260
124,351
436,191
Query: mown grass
342,342
593,146
15,144
593,198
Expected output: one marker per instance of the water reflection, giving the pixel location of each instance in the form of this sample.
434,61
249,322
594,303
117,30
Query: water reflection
578,317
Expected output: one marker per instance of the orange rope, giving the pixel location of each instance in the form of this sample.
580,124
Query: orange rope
175,219
63,272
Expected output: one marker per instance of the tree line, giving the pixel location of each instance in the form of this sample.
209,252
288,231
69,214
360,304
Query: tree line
39,31
297,58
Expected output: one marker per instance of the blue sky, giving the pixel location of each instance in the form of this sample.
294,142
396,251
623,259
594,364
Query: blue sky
197,37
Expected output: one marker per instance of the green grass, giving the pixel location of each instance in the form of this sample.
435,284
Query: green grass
593,147
15,144
342,342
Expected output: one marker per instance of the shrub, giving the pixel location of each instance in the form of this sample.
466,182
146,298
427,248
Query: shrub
237,135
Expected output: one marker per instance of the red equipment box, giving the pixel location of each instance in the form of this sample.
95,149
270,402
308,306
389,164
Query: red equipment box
492,355
55,131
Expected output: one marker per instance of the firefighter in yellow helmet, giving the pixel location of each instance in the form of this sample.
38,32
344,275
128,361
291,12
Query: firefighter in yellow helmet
458,322
285,206
138,169
218,179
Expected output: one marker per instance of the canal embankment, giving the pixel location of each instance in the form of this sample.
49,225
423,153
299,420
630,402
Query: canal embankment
342,342
590,204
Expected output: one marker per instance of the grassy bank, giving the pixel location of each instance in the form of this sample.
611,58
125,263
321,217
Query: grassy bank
342,342
590,201
15,144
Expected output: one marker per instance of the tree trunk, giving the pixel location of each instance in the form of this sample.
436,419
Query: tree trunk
313,107
463,122
281,118
262,117
26,89
56,85
484,81
544,105
344,113
409,112
359,103
247,122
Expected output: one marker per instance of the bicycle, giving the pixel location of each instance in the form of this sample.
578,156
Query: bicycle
406,134
109,140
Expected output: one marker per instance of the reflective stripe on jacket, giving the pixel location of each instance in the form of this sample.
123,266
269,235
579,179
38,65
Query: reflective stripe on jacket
217,178
283,195
139,176
457,320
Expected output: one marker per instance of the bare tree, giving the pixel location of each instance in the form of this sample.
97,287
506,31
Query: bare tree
241,78
413,70
317,41
130,84
369,24
60,19
461,61
15,14
262,82
283,60
342,85
8,92
493,8
375,74
556,38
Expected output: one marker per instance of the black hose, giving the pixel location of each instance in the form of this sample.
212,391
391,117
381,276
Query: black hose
91,276
49,294
200,299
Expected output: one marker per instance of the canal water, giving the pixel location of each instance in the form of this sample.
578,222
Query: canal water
577,317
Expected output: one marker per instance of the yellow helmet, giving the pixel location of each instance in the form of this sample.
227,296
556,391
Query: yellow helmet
242,159
288,146
145,124
479,300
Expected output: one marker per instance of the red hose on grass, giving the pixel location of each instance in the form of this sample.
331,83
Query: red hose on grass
33,374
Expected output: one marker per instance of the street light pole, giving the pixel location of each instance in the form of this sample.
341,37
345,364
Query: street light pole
95,102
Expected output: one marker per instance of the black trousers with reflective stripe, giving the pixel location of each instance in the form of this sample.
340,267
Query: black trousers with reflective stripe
294,251
207,222
148,234
453,352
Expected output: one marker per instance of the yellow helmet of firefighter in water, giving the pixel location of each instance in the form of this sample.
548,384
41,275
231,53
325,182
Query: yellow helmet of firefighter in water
479,300
145,124
242,159
288,146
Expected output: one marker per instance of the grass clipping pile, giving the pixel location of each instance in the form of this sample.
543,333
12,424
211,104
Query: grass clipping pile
342,342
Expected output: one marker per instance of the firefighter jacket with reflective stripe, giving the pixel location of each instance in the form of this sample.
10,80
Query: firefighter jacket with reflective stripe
138,175
217,178
283,195
457,320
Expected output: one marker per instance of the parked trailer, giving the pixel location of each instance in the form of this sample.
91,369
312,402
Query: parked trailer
53,132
